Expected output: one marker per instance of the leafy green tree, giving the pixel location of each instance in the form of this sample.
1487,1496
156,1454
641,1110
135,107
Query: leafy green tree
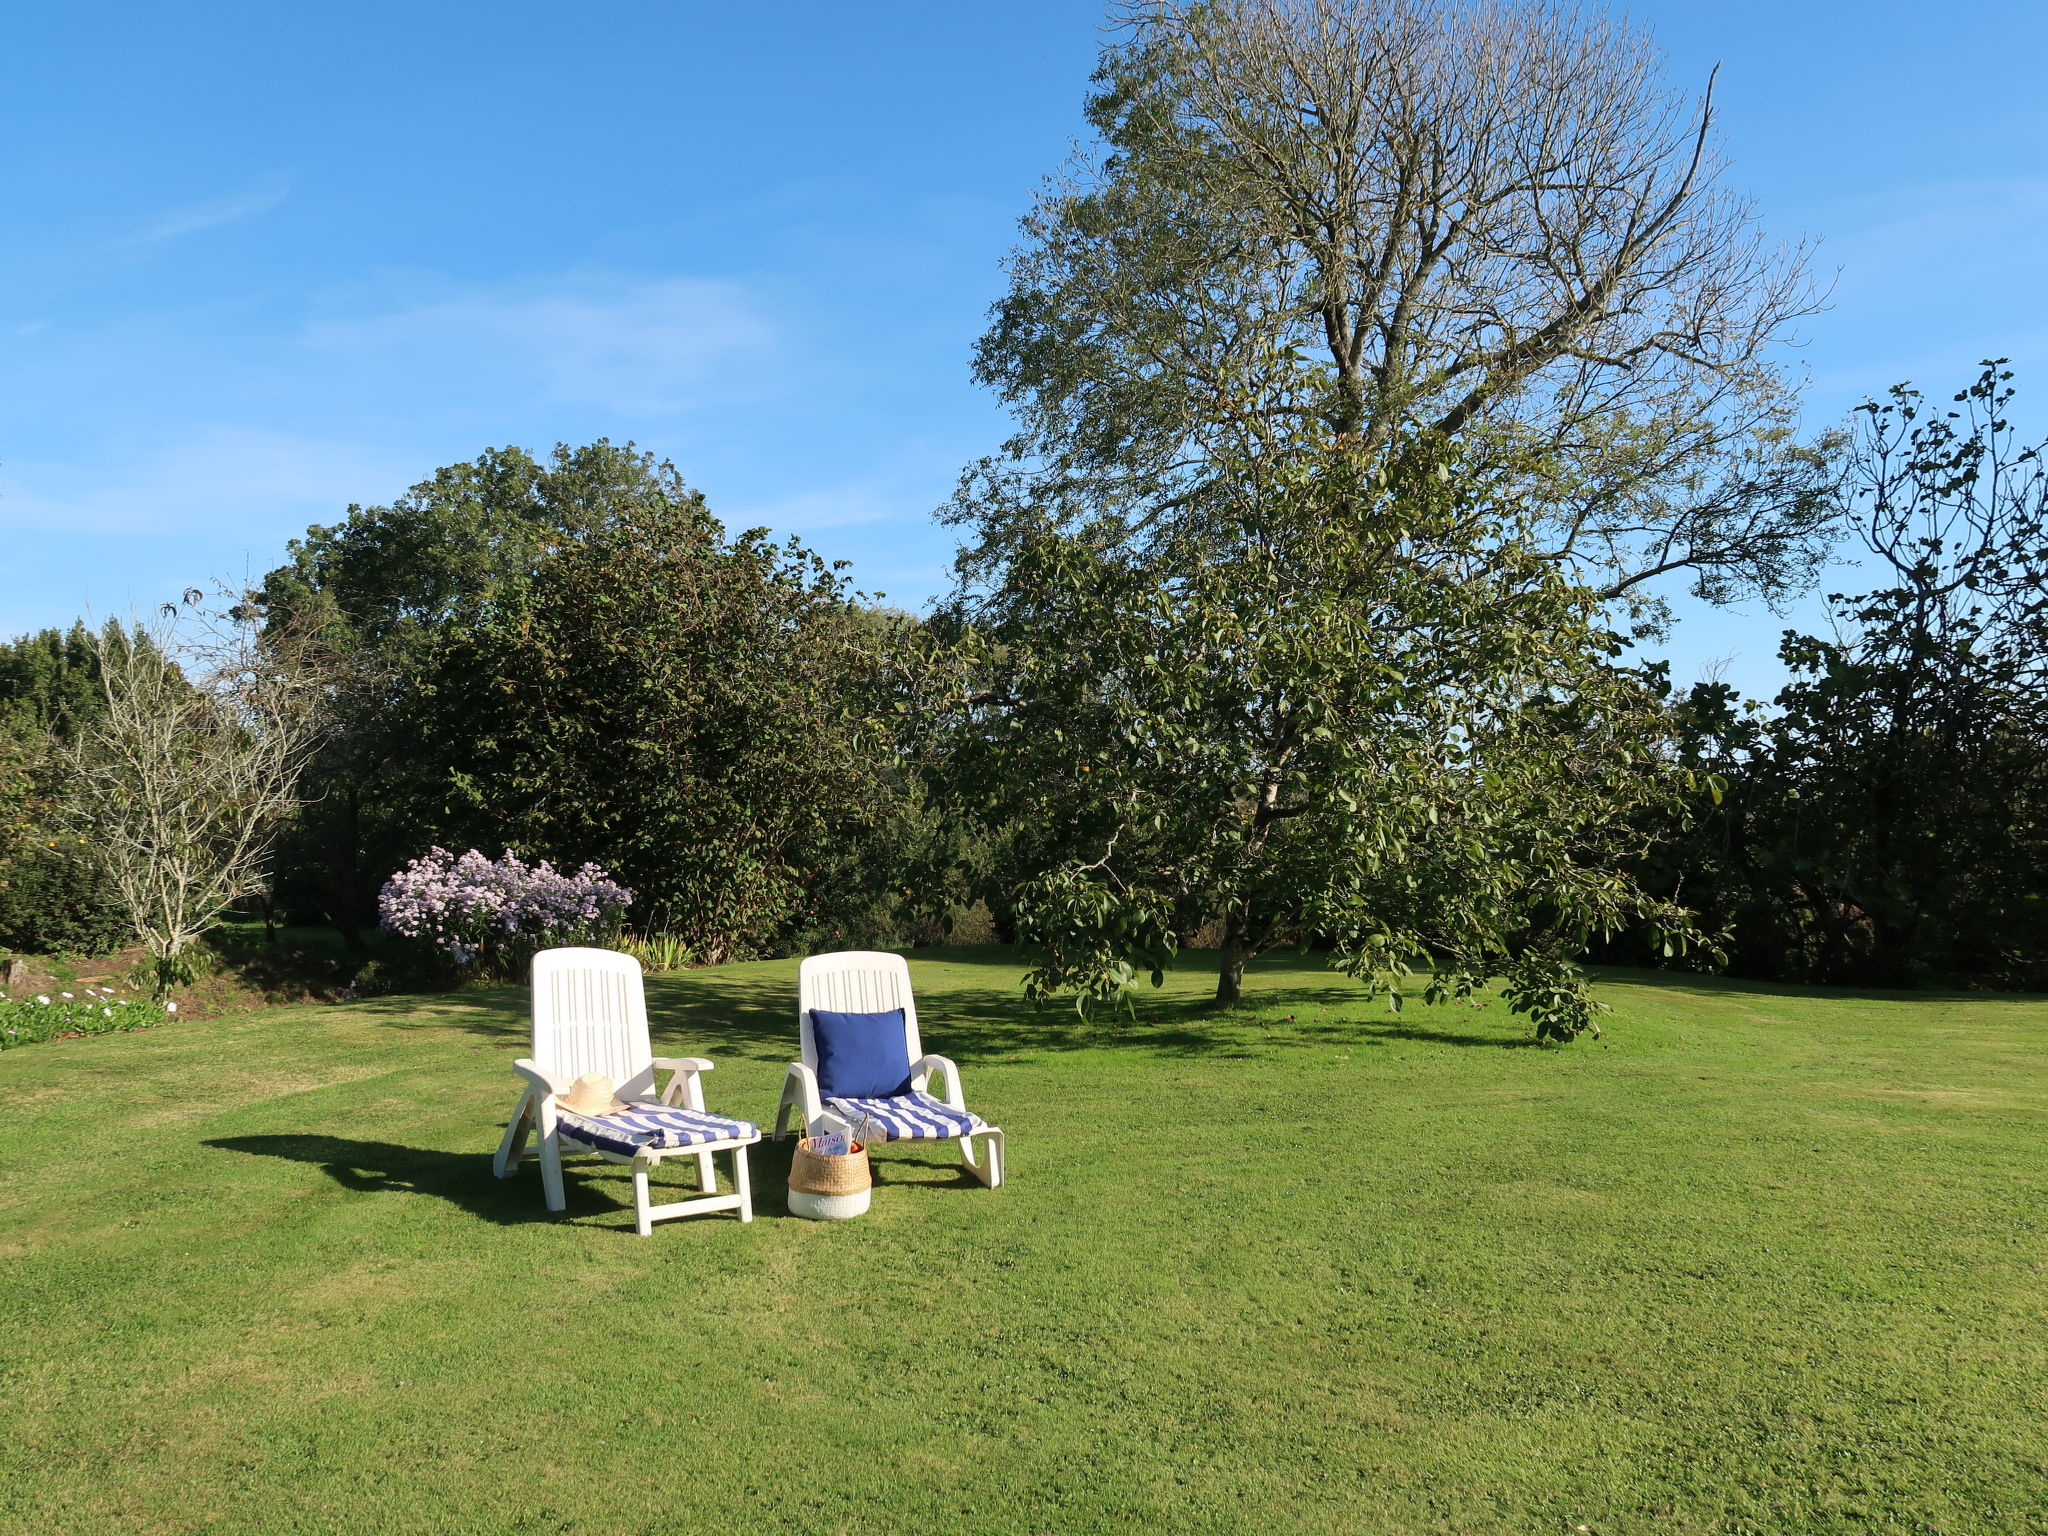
700,716
1382,353
1887,823
389,588
54,891
1368,711
571,659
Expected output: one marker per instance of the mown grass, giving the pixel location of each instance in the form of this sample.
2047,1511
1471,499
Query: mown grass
1760,1261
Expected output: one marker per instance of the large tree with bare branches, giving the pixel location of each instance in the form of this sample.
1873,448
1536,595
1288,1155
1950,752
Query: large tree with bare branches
1487,221
1366,381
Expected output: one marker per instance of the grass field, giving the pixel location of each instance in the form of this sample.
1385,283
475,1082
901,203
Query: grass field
1763,1260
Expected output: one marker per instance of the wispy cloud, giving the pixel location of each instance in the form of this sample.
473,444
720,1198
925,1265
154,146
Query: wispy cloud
210,214
210,481
638,348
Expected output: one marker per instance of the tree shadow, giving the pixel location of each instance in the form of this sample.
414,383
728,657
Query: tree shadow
1698,984
747,1012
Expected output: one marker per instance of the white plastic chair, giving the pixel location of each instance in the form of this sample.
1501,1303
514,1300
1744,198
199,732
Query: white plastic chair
590,1015
870,981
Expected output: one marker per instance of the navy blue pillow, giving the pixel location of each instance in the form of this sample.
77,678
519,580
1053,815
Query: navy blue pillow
860,1055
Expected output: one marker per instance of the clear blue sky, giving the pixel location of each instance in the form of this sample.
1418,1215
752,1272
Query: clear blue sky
264,260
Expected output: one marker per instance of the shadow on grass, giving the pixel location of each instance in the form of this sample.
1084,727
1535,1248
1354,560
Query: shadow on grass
747,1013
461,1178
464,1179
1699,985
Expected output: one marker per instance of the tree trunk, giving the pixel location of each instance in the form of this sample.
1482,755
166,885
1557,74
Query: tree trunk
347,879
1237,949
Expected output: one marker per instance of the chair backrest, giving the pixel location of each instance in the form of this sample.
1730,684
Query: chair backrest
590,1015
854,981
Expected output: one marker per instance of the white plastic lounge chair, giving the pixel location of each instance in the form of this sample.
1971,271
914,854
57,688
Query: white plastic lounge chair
865,981
590,1015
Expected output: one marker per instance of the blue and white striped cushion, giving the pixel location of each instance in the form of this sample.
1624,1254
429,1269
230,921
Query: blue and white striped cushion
651,1125
908,1117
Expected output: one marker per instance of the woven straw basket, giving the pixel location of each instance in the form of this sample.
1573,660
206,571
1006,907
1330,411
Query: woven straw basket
847,1174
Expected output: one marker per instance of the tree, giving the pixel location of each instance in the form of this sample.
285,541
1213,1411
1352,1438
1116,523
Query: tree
387,589
571,658
1384,719
1386,353
701,716
183,778
54,895
1887,823
1373,219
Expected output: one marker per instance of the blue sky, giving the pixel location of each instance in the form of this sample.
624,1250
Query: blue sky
267,260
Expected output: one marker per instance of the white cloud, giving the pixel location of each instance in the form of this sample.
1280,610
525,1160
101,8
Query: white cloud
212,481
837,507
211,214
652,348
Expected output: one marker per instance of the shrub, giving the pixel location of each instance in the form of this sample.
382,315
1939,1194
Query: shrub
488,918
52,900
659,951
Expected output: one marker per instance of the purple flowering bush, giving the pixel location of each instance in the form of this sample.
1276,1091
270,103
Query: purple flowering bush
490,916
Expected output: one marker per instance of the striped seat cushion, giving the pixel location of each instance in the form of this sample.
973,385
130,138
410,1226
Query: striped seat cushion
651,1125
908,1117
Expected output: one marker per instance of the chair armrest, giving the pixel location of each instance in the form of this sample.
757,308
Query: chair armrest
686,1070
922,1069
545,1083
800,1092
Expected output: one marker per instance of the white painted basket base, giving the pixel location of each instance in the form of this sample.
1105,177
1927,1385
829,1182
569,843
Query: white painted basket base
828,1207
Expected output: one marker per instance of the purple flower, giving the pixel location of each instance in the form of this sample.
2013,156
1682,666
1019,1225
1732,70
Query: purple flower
467,906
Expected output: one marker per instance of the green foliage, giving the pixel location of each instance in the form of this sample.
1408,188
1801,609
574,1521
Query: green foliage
54,898
1553,994
50,681
1888,822
658,952
388,588
54,894
32,1020
573,659
700,717
1365,710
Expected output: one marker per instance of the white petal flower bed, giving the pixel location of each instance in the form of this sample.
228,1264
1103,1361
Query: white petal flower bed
97,1011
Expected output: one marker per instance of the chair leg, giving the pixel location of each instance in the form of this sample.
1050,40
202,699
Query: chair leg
782,1113
642,1222
707,1173
988,1165
512,1149
551,1173
742,1183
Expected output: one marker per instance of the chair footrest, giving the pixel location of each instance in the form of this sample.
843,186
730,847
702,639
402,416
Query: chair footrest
703,1204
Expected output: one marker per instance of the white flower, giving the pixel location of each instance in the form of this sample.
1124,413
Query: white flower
42,999
108,1012
170,1007
63,994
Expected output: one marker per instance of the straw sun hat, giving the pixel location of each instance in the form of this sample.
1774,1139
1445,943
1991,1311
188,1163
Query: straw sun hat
591,1094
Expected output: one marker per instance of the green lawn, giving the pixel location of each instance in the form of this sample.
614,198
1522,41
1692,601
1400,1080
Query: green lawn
1763,1260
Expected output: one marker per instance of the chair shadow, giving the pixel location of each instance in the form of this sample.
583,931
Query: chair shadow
769,1163
462,1179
